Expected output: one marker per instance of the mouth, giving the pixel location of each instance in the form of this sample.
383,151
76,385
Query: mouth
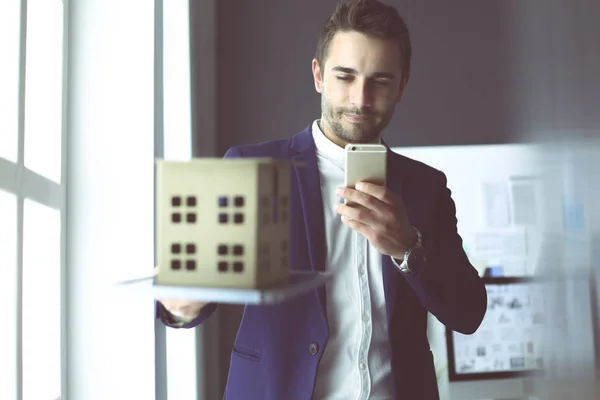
356,118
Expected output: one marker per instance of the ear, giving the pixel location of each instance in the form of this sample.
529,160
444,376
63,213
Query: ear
317,75
403,84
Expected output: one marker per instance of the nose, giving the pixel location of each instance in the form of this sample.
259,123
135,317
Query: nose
361,94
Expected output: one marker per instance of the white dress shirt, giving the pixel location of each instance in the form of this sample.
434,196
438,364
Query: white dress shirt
356,363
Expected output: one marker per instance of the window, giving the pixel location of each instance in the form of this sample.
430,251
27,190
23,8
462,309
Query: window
181,376
43,87
41,302
8,294
9,78
31,198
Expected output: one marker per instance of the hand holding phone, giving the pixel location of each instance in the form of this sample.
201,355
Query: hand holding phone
365,163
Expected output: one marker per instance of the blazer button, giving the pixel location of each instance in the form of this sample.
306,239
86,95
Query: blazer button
313,348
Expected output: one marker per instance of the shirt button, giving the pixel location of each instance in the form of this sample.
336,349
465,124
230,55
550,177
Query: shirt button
366,317
313,348
361,271
363,365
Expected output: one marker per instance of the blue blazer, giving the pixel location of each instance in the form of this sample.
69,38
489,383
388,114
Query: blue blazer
278,347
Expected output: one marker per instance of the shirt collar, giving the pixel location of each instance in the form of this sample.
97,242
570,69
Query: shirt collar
326,148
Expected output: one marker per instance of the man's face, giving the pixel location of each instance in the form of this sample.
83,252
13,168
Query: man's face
360,84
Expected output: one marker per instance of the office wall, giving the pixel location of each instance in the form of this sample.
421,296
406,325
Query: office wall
493,72
456,95
554,69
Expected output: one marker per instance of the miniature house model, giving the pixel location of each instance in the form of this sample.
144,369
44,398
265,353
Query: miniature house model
223,222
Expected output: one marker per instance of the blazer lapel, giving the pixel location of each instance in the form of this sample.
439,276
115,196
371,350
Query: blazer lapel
311,202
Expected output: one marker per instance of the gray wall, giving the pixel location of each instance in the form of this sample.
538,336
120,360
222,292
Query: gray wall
457,92
491,72
555,85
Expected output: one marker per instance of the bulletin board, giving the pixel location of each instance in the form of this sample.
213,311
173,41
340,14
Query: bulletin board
509,340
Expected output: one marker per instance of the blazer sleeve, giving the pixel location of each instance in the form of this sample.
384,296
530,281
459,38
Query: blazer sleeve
210,308
448,285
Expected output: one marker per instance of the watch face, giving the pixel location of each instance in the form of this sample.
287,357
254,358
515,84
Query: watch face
416,259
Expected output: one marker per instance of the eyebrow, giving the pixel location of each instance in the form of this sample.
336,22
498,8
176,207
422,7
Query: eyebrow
352,71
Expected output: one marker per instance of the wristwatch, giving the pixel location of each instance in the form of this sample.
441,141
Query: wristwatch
414,258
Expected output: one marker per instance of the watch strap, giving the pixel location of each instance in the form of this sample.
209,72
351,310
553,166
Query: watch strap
405,264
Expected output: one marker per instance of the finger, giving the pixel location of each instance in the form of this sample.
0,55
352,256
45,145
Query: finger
359,227
358,197
356,213
379,192
156,270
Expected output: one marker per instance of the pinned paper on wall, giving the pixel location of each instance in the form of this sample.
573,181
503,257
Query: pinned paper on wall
500,243
524,200
506,249
496,209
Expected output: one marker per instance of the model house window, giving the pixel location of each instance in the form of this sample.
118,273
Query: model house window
177,252
234,260
223,218
238,201
223,266
32,204
190,248
190,218
176,264
176,201
191,201
223,250
190,265
238,266
180,209
230,208
238,218
238,250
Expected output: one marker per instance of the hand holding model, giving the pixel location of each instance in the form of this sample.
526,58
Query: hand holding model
183,309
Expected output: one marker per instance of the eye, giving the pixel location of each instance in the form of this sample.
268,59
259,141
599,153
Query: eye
383,82
344,78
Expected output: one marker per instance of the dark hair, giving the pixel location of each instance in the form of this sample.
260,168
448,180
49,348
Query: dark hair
369,17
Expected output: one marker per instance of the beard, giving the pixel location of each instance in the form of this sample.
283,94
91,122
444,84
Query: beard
366,132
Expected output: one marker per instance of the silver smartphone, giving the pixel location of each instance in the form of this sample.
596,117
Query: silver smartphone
365,162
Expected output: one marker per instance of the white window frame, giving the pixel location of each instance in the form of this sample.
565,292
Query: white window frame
188,362
22,182
189,354
178,377
111,141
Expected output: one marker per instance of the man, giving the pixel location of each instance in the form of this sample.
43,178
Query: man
398,253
